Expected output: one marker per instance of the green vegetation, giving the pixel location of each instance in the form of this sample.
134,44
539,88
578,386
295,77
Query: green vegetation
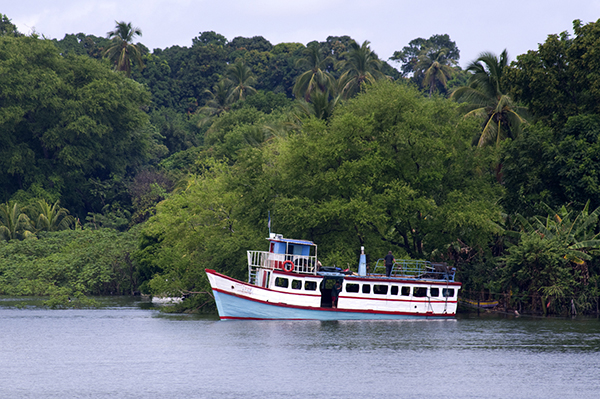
122,52
118,183
485,98
70,264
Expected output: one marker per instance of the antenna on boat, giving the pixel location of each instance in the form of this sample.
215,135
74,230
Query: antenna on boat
269,223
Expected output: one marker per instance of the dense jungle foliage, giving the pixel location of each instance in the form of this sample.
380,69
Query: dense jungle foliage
125,170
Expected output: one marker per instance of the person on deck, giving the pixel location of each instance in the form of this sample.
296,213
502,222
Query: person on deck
389,263
335,293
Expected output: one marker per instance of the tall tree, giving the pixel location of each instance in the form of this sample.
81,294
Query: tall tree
410,55
361,65
242,80
378,174
7,28
122,52
485,98
561,78
68,125
434,69
316,73
220,98
553,166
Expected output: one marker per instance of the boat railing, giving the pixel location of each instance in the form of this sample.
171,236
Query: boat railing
270,260
416,269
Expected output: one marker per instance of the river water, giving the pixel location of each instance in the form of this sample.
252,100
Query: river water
127,350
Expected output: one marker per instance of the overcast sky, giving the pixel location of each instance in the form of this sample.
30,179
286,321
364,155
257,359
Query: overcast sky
389,25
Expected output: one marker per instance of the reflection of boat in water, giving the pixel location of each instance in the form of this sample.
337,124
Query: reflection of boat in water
287,282
478,304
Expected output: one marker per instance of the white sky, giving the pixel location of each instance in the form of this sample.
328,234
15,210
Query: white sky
389,25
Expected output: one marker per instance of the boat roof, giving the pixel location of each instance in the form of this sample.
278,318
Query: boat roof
292,241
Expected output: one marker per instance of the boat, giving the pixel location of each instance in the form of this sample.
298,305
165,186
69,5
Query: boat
288,282
489,304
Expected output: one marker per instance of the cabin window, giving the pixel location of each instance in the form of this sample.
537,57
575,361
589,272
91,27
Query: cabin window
394,290
351,287
366,288
296,284
405,291
310,285
298,249
380,289
419,292
447,292
281,282
434,292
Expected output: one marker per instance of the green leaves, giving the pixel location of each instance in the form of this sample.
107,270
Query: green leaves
66,116
552,255
194,229
559,79
242,80
387,170
485,98
69,262
122,52
51,217
316,75
553,166
361,66
14,223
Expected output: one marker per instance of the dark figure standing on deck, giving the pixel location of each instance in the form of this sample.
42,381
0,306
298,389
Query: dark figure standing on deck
335,293
389,262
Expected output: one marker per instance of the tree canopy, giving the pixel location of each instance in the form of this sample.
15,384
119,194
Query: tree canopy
122,52
66,122
485,98
173,166
560,79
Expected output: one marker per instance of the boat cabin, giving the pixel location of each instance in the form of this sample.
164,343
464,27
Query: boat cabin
290,255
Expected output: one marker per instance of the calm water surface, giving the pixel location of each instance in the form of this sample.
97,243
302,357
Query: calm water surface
127,351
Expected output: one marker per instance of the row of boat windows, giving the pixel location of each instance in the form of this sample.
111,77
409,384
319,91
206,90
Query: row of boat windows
377,289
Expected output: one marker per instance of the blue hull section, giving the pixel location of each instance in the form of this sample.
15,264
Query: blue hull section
235,307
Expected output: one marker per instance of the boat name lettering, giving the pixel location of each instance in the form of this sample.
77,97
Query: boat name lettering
243,289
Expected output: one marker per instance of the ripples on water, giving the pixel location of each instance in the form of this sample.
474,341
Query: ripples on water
126,351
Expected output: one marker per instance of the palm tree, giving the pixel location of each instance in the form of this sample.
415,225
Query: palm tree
51,217
483,97
242,79
122,51
361,65
316,75
220,101
14,224
320,104
434,68
220,98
